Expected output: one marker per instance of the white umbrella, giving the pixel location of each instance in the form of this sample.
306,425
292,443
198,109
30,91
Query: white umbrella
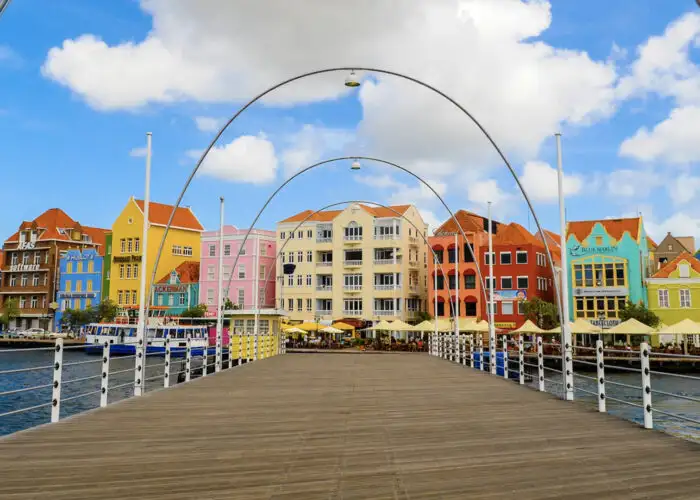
331,330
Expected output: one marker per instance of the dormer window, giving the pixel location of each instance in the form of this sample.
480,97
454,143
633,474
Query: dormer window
173,278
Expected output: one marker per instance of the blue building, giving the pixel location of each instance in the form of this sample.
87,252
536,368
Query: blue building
177,291
80,282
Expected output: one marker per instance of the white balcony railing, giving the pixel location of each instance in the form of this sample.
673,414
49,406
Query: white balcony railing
383,262
353,237
386,237
324,288
324,264
384,313
413,263
351,313
352,288
324,312
383,288
413,240
353,263
322,239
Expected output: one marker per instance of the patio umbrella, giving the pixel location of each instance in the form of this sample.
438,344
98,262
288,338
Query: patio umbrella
382,325
311,327
583,326
632,327
401,326
479,327
442,324
529,328
294,329
425,326
331,330
343,326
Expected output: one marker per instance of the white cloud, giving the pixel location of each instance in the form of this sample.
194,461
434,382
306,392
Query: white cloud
540,182
311,144
138,152
486,54
247,159
480,192
684,188
208,123
678,224
431,219
674,140
379,181
629,183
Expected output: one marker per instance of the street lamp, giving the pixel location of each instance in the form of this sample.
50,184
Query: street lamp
355,165
351,80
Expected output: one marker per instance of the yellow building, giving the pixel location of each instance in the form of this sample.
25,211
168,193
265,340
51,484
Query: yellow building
182,244
674,291
361,262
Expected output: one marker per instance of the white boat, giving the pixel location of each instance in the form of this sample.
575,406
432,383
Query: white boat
122,338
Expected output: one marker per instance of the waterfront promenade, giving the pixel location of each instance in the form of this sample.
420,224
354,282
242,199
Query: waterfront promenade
347,426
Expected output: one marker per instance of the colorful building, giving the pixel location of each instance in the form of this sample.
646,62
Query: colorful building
608,266
674,290
107,264
177,291
670,248
360,263
30,272
80,281
182,244
253,282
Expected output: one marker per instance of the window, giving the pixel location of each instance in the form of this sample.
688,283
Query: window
137,245
452,255
122,245
599,272
120,297
128,271
470,281
34,302
300,280
263,249
127,296
684,271
171,300
212,250
300,302
352,281
592,308
181,299
187,251
488,257
88,303
241,297
309,256
521,257
308,304
290,280
507,307
210,272
452,281
13,280
261,297
291,237
685,297
37,258
308,280
506,283
136,271
227,272
670,248
262,272
300,256
88,285
282,235
25,258
353,232
130,245
210,296
352,305
35,280
242,250
78,267
241,271
598,240
290,302
523,281
521,308
22,300
300,235
310,233
663,298
291,257
68,284
506,258
91,266
14,258
490,283
283,257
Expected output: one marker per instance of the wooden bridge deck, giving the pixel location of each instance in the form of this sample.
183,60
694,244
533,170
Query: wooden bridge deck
325,426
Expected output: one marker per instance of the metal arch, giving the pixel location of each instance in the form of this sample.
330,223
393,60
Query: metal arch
563,321
279,252
3,5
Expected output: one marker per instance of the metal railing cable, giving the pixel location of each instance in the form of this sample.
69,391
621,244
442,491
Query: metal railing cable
677,375
22,410
28,369
25,389
675,395
675,415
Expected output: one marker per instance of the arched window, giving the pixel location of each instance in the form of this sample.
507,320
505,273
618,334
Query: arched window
439,253
353,231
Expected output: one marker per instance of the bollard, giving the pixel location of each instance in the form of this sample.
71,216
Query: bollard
492,356
166,365
188,359
240,348
600,372
104,388
540,365
57,371
521,360
255,346
506,365
646,385
464,350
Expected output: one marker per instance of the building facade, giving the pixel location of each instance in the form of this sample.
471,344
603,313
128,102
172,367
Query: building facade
670,248
253,282
107,264
360,263
182,244
177,291
608,266
674,290
31,265
80,281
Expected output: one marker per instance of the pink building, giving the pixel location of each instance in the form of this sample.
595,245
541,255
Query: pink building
248,286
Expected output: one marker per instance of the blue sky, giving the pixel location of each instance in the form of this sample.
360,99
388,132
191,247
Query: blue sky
75,108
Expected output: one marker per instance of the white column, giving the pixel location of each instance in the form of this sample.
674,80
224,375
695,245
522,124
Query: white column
188,359
104,389
256,292
220,286
646,384
492,326
566,351
600,372
456,338
139,372
540,365
435,316
166,365
57,372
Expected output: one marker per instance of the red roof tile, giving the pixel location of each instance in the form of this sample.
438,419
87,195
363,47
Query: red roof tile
468,221
651,243
666,271
188,272
49,223
329,215
515,234
614,227
159,213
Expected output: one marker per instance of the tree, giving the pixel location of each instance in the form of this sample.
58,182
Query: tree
105,311
9,312
544,314
195,311
641,313
423,316
78,317
228,305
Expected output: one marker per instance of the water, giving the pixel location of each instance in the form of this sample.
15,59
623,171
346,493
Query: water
33,358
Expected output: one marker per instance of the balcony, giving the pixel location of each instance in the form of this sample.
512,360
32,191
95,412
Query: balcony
413,240
384,288
324,288
412,263
387,237
352,263
323,264
353,238
387,262
324,239
384,313
351,313
352,288
324,312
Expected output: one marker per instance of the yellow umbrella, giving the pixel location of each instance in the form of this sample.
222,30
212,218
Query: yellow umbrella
400,326
481,326
425,326
311,327
294,329
583,326
557,329
382,325
443,325
529,328
685,327
343,326
632,327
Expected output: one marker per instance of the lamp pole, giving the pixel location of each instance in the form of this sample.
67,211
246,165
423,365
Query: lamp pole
492,326
566,349
141,342
220,293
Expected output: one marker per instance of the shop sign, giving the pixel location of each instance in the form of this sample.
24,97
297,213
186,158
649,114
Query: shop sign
80,256
580,251
504,325
78,295
609,291
170,288
127,258
26,245
604,323
500,295
24,267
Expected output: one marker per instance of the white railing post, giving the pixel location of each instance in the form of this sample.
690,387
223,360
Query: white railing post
188,359
540,365
205,358
506,364
646,385
230,350
139,370
464,349
600,374
166,365
217,359
471,351
104,386
521,360
438,351
255,346
57,371
481,353
240,348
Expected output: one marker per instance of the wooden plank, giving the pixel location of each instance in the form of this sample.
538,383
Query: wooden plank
326,426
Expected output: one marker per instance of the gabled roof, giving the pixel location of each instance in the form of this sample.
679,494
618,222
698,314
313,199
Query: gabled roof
188,272
553,239
651,243
614,227
468,221
50,222
329,215
159,214
515,234
666,271
2,256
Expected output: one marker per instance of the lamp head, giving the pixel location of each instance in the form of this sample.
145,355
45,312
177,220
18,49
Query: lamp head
355,165
351,80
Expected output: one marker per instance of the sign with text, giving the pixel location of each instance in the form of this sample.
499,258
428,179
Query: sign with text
78,295
609,291
170,288
581,251
500,295
604,323
504,325
26,245
24,267
80,256
127,258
